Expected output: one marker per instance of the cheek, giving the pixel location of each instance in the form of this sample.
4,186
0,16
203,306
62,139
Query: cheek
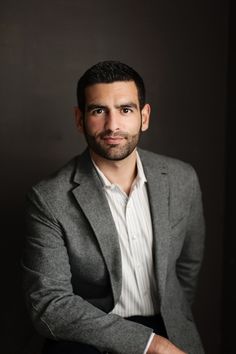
134,127
93,126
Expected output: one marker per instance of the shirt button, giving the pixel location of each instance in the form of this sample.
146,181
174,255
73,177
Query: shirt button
134,237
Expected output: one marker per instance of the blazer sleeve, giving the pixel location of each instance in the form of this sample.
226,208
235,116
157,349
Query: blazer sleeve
190,260
55,310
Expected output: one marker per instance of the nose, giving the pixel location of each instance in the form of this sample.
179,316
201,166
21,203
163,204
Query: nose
112,121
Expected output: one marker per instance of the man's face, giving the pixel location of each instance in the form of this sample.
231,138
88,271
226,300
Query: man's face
112,121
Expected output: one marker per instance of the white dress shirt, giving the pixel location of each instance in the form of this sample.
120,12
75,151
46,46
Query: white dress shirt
132,218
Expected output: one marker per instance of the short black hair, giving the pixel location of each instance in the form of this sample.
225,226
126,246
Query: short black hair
108,72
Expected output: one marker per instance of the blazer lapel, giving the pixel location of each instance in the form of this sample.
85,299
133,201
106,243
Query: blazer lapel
91,199
158,190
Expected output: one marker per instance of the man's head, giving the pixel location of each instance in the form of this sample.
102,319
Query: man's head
108,72
111,110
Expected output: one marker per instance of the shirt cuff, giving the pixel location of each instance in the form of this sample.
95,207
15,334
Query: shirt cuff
148,343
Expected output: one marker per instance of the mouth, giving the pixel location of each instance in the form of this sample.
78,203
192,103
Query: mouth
112,140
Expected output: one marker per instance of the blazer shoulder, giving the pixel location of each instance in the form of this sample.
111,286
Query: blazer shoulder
172,165
57,183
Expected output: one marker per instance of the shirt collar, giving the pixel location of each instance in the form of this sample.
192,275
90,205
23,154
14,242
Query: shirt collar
139,180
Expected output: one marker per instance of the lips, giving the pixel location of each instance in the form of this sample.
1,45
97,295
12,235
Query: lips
112,140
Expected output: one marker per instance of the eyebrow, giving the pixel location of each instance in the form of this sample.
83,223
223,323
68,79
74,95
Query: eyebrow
129,104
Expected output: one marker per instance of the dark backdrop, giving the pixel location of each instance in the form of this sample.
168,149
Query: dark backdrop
229,289
180,49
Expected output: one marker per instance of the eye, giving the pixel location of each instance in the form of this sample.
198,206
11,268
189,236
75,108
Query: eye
126,110
98,111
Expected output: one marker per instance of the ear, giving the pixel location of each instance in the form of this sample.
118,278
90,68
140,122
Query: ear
79,121
145,115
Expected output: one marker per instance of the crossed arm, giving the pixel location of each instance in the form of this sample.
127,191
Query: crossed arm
161,345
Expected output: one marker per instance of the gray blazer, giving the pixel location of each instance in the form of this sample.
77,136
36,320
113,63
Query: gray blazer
72,261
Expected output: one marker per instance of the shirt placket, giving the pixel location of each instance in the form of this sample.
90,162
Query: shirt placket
137,260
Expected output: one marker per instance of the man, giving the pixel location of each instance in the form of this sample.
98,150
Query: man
115,238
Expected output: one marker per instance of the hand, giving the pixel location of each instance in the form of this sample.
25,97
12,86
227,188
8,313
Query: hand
161,345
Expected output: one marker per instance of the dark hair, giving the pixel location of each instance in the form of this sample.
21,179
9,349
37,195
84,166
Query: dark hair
108,72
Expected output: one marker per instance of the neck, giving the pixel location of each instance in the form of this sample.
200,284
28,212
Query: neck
122,172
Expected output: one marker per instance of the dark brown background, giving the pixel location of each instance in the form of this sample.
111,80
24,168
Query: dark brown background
181,48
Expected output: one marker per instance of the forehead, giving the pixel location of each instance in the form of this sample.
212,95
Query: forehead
119,90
